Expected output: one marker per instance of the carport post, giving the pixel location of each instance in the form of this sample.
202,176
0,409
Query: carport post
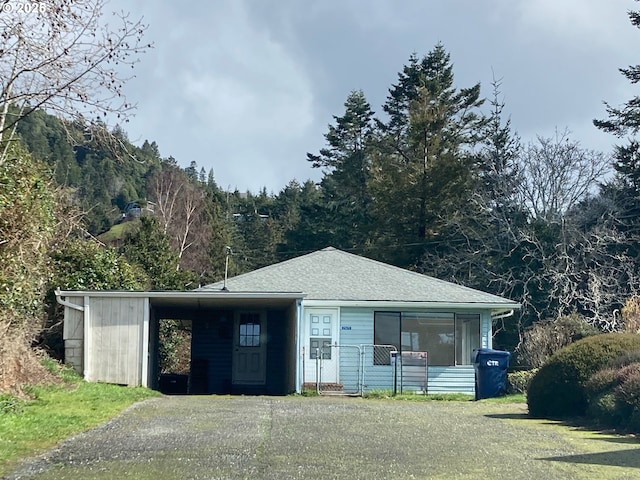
299,348
86,335
144,355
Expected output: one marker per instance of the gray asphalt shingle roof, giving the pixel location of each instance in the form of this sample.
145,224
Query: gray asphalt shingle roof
332,274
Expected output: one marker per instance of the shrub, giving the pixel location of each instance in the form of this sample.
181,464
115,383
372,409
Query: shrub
600,382
544,338
558,389
604,410
634,421
518,382
613,395
628,390
625,359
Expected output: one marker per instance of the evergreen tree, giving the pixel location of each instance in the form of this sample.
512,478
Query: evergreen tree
347,172
424,166
149,248
192,171
625,122
300,207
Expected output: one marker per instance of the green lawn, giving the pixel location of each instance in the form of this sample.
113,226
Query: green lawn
55,412
118,231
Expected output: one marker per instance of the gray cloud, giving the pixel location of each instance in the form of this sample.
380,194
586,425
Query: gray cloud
247,87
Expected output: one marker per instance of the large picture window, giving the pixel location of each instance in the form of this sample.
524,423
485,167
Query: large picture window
446,338
431,333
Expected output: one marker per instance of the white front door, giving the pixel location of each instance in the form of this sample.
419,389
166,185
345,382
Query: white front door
249,349
321,338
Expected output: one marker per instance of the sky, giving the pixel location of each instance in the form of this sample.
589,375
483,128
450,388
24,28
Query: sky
248,87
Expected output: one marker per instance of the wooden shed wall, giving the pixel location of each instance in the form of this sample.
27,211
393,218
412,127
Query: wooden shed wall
73,335
115,340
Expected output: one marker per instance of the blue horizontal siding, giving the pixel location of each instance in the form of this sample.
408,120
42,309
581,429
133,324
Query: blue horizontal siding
459,379
356,329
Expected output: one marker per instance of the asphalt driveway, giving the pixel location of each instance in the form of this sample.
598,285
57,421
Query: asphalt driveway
209,437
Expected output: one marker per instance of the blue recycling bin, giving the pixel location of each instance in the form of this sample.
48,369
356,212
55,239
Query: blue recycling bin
491,372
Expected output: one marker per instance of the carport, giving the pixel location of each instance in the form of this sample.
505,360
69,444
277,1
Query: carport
241,342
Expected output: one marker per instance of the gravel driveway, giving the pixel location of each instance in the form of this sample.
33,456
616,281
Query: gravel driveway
208,437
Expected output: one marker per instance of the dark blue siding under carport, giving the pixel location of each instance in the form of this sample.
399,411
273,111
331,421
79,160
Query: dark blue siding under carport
212,355
277,348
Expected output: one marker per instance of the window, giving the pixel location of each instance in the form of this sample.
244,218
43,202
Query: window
432,333
446,338
467,337
249,333
320,347
386,331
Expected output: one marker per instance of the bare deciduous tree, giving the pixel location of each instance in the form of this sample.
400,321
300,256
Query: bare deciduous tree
558,174
65,57
589,271
180,207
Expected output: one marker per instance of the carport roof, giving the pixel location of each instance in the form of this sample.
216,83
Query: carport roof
334,275
194,298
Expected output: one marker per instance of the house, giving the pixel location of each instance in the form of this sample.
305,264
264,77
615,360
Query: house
329,320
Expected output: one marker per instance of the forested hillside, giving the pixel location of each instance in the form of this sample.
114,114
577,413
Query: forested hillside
439,182
436,180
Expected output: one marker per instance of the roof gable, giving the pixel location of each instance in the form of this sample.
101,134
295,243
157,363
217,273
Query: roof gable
335,275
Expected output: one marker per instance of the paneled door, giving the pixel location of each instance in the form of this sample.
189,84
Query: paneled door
249,349
321,360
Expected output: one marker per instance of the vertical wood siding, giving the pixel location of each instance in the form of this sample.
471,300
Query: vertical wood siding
115,330
73,335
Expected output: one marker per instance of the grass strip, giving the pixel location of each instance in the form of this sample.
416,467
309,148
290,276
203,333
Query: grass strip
454,397
56,412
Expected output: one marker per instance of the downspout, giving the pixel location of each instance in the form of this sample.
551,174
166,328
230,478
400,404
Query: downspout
65,303
503,314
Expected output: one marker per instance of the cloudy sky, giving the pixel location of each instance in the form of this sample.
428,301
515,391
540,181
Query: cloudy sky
247,87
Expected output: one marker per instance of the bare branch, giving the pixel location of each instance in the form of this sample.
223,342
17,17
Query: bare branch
65,57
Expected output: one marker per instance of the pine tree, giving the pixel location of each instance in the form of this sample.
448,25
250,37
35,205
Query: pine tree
625,122
347,172
424,164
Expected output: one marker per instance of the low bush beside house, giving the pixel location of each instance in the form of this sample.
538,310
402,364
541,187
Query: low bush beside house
558,389
518,382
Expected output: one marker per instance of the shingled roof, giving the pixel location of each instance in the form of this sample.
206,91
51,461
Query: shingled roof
334,275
